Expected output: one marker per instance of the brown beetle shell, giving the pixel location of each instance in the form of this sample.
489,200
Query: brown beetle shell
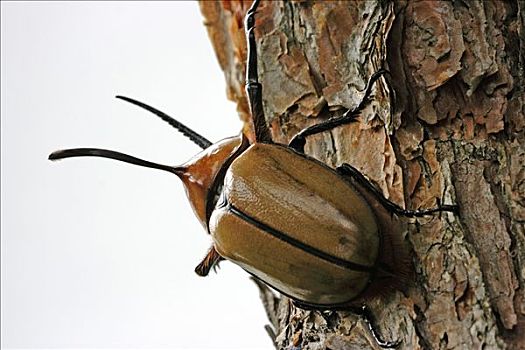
297,225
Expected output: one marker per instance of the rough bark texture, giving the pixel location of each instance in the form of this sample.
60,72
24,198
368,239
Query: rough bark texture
456,134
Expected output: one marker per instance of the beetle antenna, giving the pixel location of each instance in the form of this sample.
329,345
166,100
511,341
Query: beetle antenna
198,139
104,153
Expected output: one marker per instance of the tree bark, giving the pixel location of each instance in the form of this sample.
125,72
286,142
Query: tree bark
449,127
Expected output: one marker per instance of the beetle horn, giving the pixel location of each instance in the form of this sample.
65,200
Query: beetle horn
198,139
104,153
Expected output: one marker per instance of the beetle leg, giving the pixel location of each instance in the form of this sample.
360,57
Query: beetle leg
210,261
253,87
348,170
369,319
367,316
299,140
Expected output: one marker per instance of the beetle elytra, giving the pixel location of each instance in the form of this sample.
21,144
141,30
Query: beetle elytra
303,228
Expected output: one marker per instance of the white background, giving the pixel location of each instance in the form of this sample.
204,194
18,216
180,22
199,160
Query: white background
97,253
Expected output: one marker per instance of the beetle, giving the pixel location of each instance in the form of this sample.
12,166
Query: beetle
312,233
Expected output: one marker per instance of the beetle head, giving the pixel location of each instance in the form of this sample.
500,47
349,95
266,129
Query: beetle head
198,174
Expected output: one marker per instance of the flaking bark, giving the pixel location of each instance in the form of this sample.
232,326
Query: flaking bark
450,126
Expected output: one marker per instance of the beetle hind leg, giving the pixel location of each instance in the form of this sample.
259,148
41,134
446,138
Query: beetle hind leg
361,311
299,140
350,171
367,316
210,261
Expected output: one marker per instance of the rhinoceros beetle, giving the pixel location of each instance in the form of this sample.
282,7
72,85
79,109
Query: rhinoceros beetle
303,228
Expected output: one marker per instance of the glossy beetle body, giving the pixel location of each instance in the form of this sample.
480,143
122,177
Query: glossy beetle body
318,235
297,225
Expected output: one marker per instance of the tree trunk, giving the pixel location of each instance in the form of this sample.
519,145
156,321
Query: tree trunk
449,126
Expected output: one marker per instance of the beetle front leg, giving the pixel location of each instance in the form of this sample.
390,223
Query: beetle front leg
253,87
209,262
299,140
350,171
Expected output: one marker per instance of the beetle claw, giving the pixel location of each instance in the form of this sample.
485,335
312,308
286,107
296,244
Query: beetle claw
368,318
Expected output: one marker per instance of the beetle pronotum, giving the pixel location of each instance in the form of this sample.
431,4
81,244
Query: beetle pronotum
261,198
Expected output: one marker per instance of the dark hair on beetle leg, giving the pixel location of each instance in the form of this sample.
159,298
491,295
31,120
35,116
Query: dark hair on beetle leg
394,269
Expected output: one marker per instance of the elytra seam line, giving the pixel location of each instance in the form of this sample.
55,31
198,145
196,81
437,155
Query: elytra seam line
296,243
